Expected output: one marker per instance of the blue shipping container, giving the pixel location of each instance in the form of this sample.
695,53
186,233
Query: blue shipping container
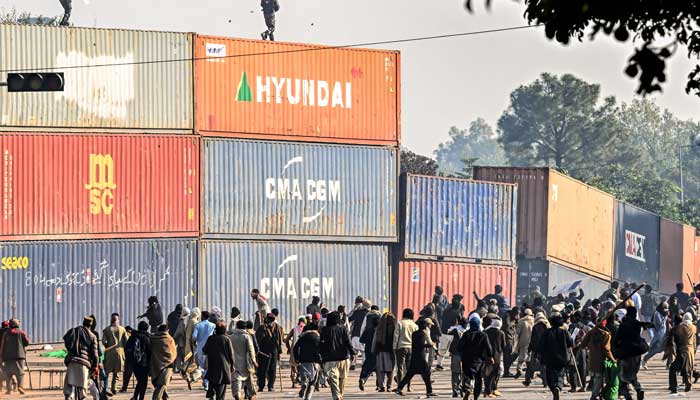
294,191
288,274
51,286
460,220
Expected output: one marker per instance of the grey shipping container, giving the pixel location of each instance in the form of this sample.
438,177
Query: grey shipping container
459,220
288,274
636,245
553,278
51,286
110,80
296,191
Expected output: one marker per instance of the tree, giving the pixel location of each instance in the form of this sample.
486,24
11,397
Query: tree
25,18
412,163
476,146
556,121
673,22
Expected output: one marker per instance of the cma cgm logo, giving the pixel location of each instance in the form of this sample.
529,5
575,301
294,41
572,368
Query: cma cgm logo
101,184
295,91
281,287
634,245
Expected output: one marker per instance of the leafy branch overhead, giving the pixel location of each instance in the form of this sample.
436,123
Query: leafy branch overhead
660,28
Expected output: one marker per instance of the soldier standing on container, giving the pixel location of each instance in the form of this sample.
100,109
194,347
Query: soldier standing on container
67,7
81,360
13,348
154,314
114,339
269,8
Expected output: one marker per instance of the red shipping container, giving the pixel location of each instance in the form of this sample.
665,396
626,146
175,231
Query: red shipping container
677,256
415,282
61,186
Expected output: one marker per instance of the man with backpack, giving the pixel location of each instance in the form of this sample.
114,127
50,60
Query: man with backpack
138,356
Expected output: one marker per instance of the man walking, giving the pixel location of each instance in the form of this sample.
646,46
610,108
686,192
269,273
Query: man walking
628,349
402,343
114,339
475,351
597,341
201,333
219,352
163,354
269,8
244,361
510,329
535,350
81,360
522,344
13,355
269,337
138,357
450,317
307,352
682,348
658,340
356,318
555,348
335,350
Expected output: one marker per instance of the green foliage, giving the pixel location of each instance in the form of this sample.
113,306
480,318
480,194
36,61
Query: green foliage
25,18
674,23
412,163
477,145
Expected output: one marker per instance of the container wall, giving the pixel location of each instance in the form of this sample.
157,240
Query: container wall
285,91
454,219
689,269
671,257
696,257
90,186
563,280
281,190
288,274
580,226
417,280
120,91
636,245
532,274
533,184
51,286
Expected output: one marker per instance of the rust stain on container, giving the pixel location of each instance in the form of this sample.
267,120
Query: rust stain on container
285,91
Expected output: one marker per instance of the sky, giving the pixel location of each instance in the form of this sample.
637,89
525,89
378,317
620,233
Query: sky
445,82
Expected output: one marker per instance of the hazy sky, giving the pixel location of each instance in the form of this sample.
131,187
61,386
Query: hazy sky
445,82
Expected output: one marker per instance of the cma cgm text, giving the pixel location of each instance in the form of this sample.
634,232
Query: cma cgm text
294,189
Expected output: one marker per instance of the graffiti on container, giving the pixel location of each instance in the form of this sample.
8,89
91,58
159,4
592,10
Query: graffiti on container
7,184
15,262
105,91
101,184
103,275
214,51
295,91
278,287
634,245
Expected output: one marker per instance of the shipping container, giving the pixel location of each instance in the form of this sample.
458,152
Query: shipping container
459,220
574,220
289,274
636,245
696,259
553,279
285,91
99,186
299,191
111,79
677,256
416,281
51,286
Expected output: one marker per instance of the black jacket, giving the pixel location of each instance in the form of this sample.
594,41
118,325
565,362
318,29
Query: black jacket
144,342
154,315
450,317
497,340
335,343
269,337
474,347
554,346
81,345
628,341
307,348
538,331
269,6
367,337
219,351
173,320
356,319
13,345
419,343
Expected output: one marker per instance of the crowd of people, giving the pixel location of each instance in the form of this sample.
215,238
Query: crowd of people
598,345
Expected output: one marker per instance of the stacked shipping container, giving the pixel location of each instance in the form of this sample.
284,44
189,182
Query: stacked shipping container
110,159
300,163
457,234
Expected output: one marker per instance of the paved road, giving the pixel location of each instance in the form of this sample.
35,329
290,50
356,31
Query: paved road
655,381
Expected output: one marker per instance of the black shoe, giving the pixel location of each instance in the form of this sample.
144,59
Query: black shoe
302,391
455,395
526,383
555,394
696,377
362,385
439,367
688,387
352,368
270,389
640,394
122,390
517,375
432,394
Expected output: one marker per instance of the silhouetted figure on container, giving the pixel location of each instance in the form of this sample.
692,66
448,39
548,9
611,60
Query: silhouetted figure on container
269,8
67,8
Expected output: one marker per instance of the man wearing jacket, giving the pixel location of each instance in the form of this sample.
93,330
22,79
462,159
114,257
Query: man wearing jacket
356,318
307,352
335,350
13,353
163,354
597,341
402,342
138,357
244,361
555,346
628,349
534,349
81,360
269,337
475,351
522,343
154,314
449,318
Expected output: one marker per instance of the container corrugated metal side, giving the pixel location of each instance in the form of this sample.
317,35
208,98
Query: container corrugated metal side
76,186
299,191
286,91
696,257
562,278
416,281
580,226
636,245
677,256
533,186
288,274
50,286
532,274
689,268
456,219
121,90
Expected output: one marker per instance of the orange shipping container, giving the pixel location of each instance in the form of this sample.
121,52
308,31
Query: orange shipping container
415,282
696,256
560,219
284,91
677,256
